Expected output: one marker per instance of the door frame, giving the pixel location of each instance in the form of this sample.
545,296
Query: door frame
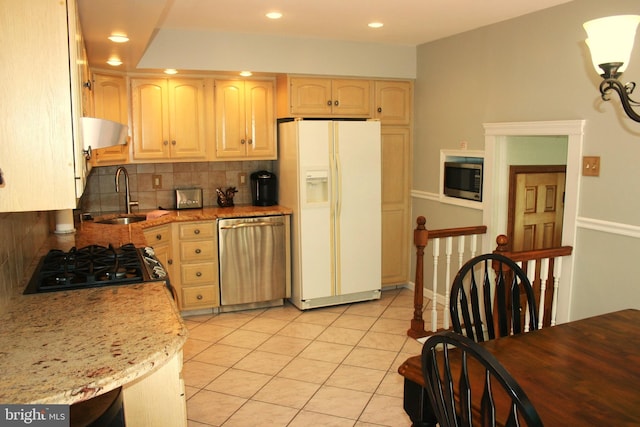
496,188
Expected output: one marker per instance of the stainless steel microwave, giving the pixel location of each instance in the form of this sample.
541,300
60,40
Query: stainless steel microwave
463,180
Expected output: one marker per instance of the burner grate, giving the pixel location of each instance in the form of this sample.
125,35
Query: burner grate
90,266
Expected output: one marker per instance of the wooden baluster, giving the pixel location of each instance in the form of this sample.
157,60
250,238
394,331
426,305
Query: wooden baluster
420,239
447,282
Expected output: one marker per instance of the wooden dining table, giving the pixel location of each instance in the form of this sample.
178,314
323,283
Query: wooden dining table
580,373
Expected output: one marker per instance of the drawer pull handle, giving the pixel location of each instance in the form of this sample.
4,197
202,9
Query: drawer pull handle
170,261
158,236
198,251
199,296
198,274
196,231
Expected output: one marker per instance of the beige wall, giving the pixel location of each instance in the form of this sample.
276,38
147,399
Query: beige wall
536,68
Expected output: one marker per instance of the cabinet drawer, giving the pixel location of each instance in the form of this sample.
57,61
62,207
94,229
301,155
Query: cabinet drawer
157,235
198,296
198,273
198,230
198,250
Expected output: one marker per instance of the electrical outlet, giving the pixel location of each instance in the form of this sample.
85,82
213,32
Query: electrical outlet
242,178
156,181
591,166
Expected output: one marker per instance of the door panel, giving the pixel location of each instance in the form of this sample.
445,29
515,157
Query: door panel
536,207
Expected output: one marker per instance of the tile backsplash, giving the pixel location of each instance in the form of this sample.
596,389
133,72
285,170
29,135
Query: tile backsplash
100,195
22,234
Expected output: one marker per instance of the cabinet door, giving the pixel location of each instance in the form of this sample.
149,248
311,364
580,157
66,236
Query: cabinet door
230,120
186,118
37,148
150,118
393,100
110,103
310,97
396,222
351,98
260,119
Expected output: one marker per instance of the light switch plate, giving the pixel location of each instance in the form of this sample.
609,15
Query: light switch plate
591,166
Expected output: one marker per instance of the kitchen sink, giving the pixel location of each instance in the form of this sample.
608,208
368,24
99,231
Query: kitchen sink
122,220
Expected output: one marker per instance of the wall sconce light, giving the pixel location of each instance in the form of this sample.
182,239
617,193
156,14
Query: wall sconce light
610,41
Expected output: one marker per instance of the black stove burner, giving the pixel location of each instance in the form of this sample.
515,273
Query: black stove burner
90,266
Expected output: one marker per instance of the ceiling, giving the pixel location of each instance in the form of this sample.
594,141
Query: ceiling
406,22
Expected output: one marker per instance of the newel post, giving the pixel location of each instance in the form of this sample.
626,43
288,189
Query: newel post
420,239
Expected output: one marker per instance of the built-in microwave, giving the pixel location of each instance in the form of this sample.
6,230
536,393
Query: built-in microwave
463,180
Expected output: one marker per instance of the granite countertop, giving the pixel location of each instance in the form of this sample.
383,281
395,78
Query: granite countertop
64,347
91,232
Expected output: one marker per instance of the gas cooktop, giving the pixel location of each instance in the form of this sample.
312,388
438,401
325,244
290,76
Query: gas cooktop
95,266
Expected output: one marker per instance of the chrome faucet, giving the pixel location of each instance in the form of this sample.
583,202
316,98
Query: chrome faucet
127,193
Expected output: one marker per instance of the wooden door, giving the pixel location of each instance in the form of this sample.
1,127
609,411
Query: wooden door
396,204
150,117
393,102
310,96
260,119
186,112
110,102
536,206
230,119
351,97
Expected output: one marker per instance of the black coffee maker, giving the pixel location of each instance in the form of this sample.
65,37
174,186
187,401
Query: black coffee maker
264,188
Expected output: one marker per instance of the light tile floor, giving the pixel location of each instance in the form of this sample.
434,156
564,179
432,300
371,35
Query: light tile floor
334,366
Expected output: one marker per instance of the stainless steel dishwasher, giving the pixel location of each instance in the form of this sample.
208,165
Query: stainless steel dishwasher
254,257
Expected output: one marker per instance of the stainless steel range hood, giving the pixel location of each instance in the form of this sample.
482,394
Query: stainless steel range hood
101,133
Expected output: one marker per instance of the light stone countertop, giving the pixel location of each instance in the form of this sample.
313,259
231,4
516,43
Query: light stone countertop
64,347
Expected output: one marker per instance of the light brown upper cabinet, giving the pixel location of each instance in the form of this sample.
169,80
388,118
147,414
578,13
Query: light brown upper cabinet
245,120
318,97
168,118
110,102
393,102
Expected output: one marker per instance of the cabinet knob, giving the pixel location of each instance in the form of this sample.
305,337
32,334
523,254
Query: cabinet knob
158,236
170,261
199,296
173,142
379,109
165,142
198,251
198,274
329,103
196,231
250,141
242,141
336,102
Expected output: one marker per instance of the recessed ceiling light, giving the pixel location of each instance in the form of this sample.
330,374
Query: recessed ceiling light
118,38
114,61
171,71
246,73
274,15
375,25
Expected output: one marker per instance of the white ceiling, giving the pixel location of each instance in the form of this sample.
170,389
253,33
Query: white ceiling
406,22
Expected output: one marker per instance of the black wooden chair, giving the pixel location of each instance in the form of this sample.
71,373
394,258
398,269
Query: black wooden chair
491,297
478,391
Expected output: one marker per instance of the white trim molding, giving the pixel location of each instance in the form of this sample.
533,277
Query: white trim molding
611,227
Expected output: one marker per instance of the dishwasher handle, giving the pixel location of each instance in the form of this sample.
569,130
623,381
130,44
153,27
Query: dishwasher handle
251,224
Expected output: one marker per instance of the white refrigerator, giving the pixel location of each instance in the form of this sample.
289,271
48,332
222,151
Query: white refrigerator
330,176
